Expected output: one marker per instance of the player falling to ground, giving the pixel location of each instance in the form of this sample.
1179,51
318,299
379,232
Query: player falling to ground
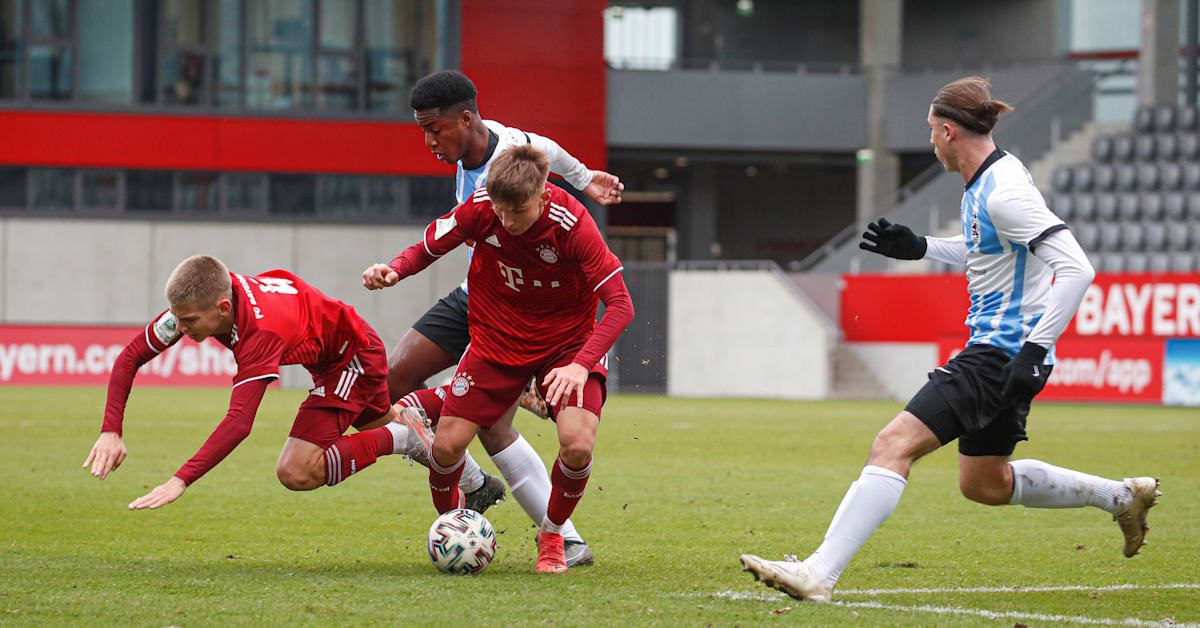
1012,246
444,105
267,320
539,270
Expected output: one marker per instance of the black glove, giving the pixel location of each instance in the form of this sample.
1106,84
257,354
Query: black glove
896,241
1024,375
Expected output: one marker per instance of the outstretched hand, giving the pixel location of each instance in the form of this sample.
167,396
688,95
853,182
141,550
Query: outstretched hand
605,188
378,276
893,240
107,454
162,495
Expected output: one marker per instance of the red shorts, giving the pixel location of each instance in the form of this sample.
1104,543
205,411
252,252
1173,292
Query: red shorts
355,394
482,391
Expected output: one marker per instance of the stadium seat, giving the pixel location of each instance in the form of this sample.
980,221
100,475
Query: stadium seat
1081,178
1192,206
1155,237
1188,147
1063,205
1113,262
1133,236
1143,147
1110,237
1164,118
1152,206
1106,208
1097,260
1186,118
1084,208
1159,263
1123,148
1147,177
1126,178
1179,236
1129,206
1062,178
1183,262
1170,176
1088,235
1166,146
1174,206
1104,178
1189,176
1143,119
1136,263
1102,149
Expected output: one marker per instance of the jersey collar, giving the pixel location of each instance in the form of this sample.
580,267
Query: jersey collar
991,159
493,141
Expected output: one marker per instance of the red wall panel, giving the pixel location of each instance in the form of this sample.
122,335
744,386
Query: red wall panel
539,66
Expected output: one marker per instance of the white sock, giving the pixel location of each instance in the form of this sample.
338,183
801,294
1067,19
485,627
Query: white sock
405,442
870,500
529,482
550,526
1037,484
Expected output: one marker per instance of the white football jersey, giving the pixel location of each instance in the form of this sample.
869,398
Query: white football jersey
1004,218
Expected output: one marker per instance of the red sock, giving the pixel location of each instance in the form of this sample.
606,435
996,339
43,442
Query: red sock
354,452
443,485
430,400
568,485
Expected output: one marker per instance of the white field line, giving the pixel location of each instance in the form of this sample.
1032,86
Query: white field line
1073,619
1020,589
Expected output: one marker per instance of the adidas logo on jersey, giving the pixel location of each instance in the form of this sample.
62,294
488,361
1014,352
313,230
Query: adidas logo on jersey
319,391
493,240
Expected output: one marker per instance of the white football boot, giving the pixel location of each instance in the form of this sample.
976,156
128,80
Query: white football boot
791,577
1132,519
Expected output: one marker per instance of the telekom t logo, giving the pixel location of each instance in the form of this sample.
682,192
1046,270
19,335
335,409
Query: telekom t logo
512,276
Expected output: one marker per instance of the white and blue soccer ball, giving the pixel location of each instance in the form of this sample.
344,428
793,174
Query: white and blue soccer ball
461,541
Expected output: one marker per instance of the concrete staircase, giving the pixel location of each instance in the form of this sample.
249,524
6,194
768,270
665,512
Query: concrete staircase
1076,149
852,379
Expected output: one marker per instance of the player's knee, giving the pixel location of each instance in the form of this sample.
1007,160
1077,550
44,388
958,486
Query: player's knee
984,492
297,478
576,450
888,447
498,437
446,454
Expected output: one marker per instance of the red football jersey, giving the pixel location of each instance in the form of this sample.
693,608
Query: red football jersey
279,319
530,293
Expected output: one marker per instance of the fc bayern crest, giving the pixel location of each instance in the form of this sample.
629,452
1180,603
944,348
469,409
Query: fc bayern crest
548,253
461,384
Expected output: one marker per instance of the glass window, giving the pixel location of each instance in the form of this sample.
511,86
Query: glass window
198,192
52,188
106,51
340,195
640,38
244,192
50,19
12,187
430,197
201,43
148,190
293,194
10,48
279,38
99,189
388,195
337,24
402,46
228,60
50,75
338,80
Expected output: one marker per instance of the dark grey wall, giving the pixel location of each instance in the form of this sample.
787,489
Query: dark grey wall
950,33
812,31
736,110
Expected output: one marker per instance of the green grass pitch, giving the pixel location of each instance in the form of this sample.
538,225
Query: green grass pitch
680,488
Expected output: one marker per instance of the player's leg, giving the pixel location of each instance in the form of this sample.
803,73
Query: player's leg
434,344
447,455
525,473
316,453
577,427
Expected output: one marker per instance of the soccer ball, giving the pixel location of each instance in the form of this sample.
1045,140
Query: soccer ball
461,541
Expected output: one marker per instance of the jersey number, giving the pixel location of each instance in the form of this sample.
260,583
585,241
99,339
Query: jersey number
276,285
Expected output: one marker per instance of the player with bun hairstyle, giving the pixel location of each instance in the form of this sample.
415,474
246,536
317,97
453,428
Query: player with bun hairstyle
539,270
1012,246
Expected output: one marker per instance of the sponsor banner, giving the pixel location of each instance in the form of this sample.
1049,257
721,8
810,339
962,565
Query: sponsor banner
1181,373
82,355
1109,370
921,308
